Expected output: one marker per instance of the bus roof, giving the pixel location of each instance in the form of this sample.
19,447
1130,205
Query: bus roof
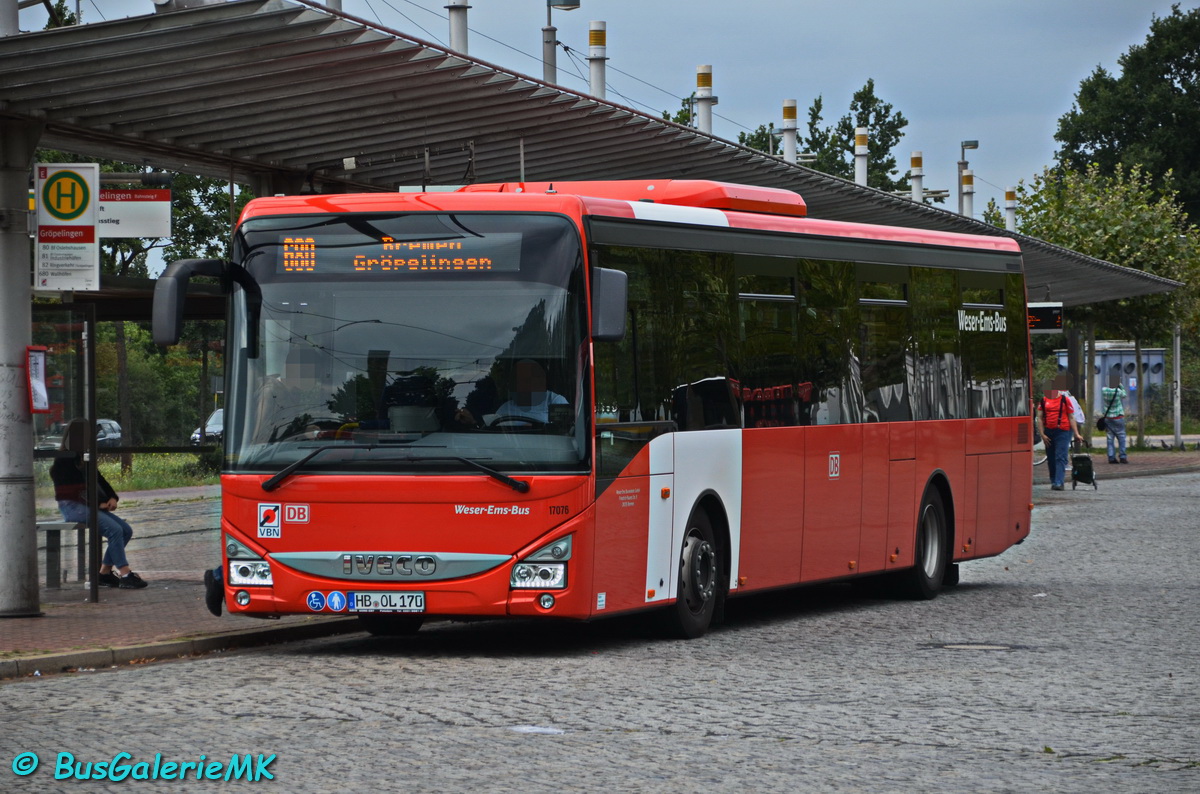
671,201
682,192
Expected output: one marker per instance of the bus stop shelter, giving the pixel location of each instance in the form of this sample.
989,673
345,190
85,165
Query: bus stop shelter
288,96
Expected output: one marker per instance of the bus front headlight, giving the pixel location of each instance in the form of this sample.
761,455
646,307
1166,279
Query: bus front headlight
250,572
540,575
545,568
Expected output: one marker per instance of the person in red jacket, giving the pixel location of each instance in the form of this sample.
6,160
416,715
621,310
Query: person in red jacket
1057,416
70,489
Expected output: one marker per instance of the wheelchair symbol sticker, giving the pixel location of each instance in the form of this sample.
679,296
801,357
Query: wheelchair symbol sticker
316,601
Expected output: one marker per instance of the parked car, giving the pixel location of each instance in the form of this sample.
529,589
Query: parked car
214,429
108,434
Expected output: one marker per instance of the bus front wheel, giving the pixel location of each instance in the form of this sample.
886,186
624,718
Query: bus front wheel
699,580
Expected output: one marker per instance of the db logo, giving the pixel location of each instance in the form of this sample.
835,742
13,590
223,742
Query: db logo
835,465
295,514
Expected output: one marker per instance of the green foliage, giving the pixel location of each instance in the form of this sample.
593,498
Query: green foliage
1121,219
162,387
1146,116
150,472
686,113
834,146
992,214
207,465
201,222
60,16
764,139
154,471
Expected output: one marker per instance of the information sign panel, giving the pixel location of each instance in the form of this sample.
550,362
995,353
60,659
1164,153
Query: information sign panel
135,212
68,254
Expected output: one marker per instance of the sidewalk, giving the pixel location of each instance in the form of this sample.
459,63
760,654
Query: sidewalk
176,538
1142,463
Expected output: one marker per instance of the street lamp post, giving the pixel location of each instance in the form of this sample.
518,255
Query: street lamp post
962,166
550,40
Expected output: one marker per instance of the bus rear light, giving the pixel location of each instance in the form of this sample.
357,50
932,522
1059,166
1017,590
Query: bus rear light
250,572
539,575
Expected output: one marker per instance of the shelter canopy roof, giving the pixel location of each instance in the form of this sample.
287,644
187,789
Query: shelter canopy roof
290,96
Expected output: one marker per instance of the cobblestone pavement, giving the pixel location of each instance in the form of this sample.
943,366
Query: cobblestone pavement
1066,664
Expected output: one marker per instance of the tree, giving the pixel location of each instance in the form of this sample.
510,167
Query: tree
834,146
686,114
1125,220
993,215
1146,116
764,139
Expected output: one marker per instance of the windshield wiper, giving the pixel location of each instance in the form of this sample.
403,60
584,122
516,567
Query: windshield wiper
521,486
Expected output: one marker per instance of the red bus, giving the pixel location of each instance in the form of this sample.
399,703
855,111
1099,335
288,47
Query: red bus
585,399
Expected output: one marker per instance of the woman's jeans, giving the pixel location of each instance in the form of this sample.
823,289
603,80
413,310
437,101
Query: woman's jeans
1116,432
112,527
1058,450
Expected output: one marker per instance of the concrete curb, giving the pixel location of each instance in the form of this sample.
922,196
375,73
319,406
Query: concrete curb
1120,473
98,658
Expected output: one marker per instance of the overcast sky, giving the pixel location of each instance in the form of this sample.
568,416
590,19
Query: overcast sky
998,72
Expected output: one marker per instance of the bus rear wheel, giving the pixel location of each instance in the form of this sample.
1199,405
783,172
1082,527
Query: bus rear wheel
699,581
925,579
391,625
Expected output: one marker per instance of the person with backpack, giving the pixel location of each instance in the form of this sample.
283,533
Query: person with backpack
1057,414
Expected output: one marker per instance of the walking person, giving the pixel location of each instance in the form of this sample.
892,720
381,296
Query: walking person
1114,396
1058,429
70,489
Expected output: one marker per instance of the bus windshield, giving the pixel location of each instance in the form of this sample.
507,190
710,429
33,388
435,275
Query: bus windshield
409,343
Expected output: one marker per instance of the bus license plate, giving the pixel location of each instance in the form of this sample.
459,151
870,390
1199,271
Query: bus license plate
386,602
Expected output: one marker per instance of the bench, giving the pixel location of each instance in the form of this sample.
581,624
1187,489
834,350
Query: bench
54,530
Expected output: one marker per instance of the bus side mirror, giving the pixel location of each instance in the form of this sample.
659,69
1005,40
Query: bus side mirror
169,293
609,304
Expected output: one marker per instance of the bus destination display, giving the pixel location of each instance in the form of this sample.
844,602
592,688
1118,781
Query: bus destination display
339,254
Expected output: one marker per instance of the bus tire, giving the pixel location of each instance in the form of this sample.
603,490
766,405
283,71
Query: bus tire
699,580
924,580
391,625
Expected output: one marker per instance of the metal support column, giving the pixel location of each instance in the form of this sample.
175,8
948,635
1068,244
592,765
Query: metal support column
18,520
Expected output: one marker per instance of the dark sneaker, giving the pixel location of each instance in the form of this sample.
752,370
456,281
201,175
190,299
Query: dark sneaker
1124,460
1112,460
1052,487
214,593
109,580
132,582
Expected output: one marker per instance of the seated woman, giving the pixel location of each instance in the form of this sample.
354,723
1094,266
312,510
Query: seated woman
70,489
